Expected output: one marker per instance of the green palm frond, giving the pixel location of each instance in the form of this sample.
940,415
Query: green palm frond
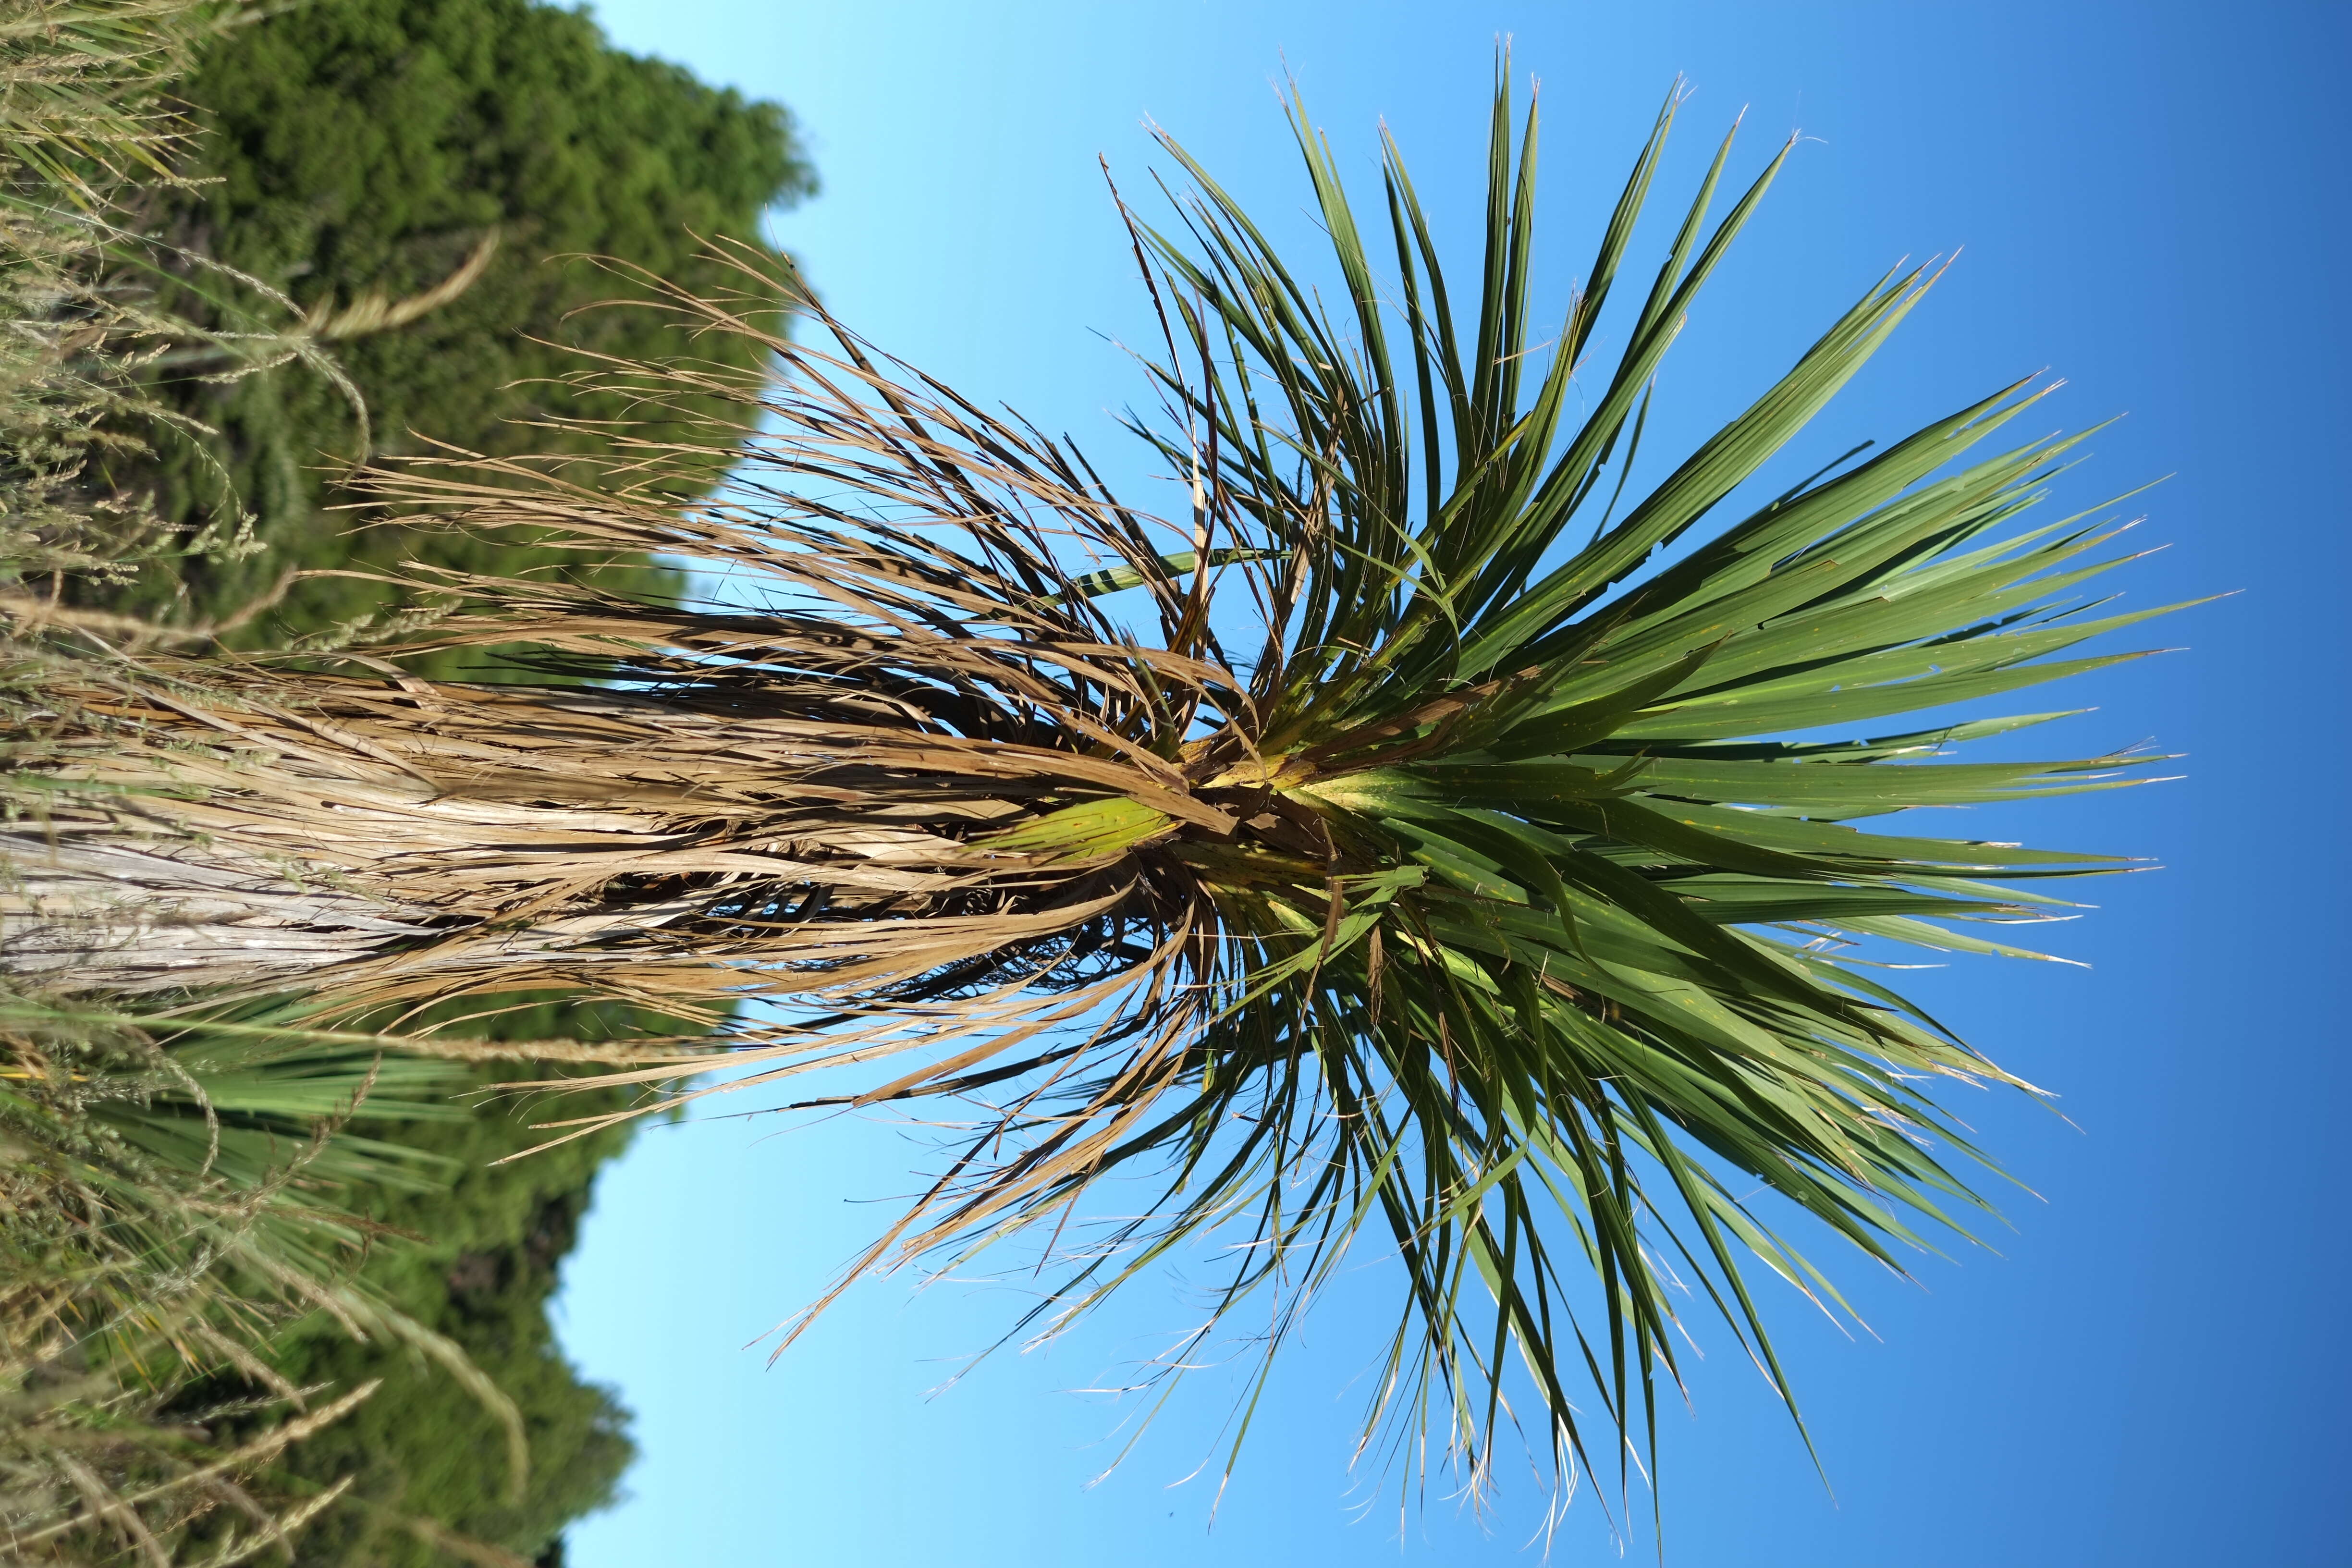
1501,897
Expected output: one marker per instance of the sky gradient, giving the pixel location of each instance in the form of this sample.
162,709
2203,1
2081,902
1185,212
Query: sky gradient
2147,200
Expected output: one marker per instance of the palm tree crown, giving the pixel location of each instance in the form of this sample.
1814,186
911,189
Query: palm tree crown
1494,895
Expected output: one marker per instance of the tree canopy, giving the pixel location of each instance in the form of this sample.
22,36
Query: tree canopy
1517,898
459,159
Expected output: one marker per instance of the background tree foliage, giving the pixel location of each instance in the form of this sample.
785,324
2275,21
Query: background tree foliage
478,1264
358,153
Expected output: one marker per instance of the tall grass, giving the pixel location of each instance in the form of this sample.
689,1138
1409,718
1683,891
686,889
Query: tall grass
90,136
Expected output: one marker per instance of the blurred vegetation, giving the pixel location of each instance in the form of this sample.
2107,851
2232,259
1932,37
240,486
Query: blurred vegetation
262,1291
173,1200
449,160
224,1233
474,1261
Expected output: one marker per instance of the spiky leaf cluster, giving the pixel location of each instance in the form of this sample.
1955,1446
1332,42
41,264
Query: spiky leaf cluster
1496,897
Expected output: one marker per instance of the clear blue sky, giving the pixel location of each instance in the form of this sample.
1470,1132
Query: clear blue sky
2152,1369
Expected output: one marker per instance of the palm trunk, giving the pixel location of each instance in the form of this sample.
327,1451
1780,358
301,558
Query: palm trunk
413,842
115,912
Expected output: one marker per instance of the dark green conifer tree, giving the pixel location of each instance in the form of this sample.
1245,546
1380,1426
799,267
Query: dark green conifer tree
359,153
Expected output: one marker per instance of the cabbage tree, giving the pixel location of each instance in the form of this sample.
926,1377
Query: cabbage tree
1459,822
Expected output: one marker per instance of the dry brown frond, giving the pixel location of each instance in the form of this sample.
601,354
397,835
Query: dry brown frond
827,801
